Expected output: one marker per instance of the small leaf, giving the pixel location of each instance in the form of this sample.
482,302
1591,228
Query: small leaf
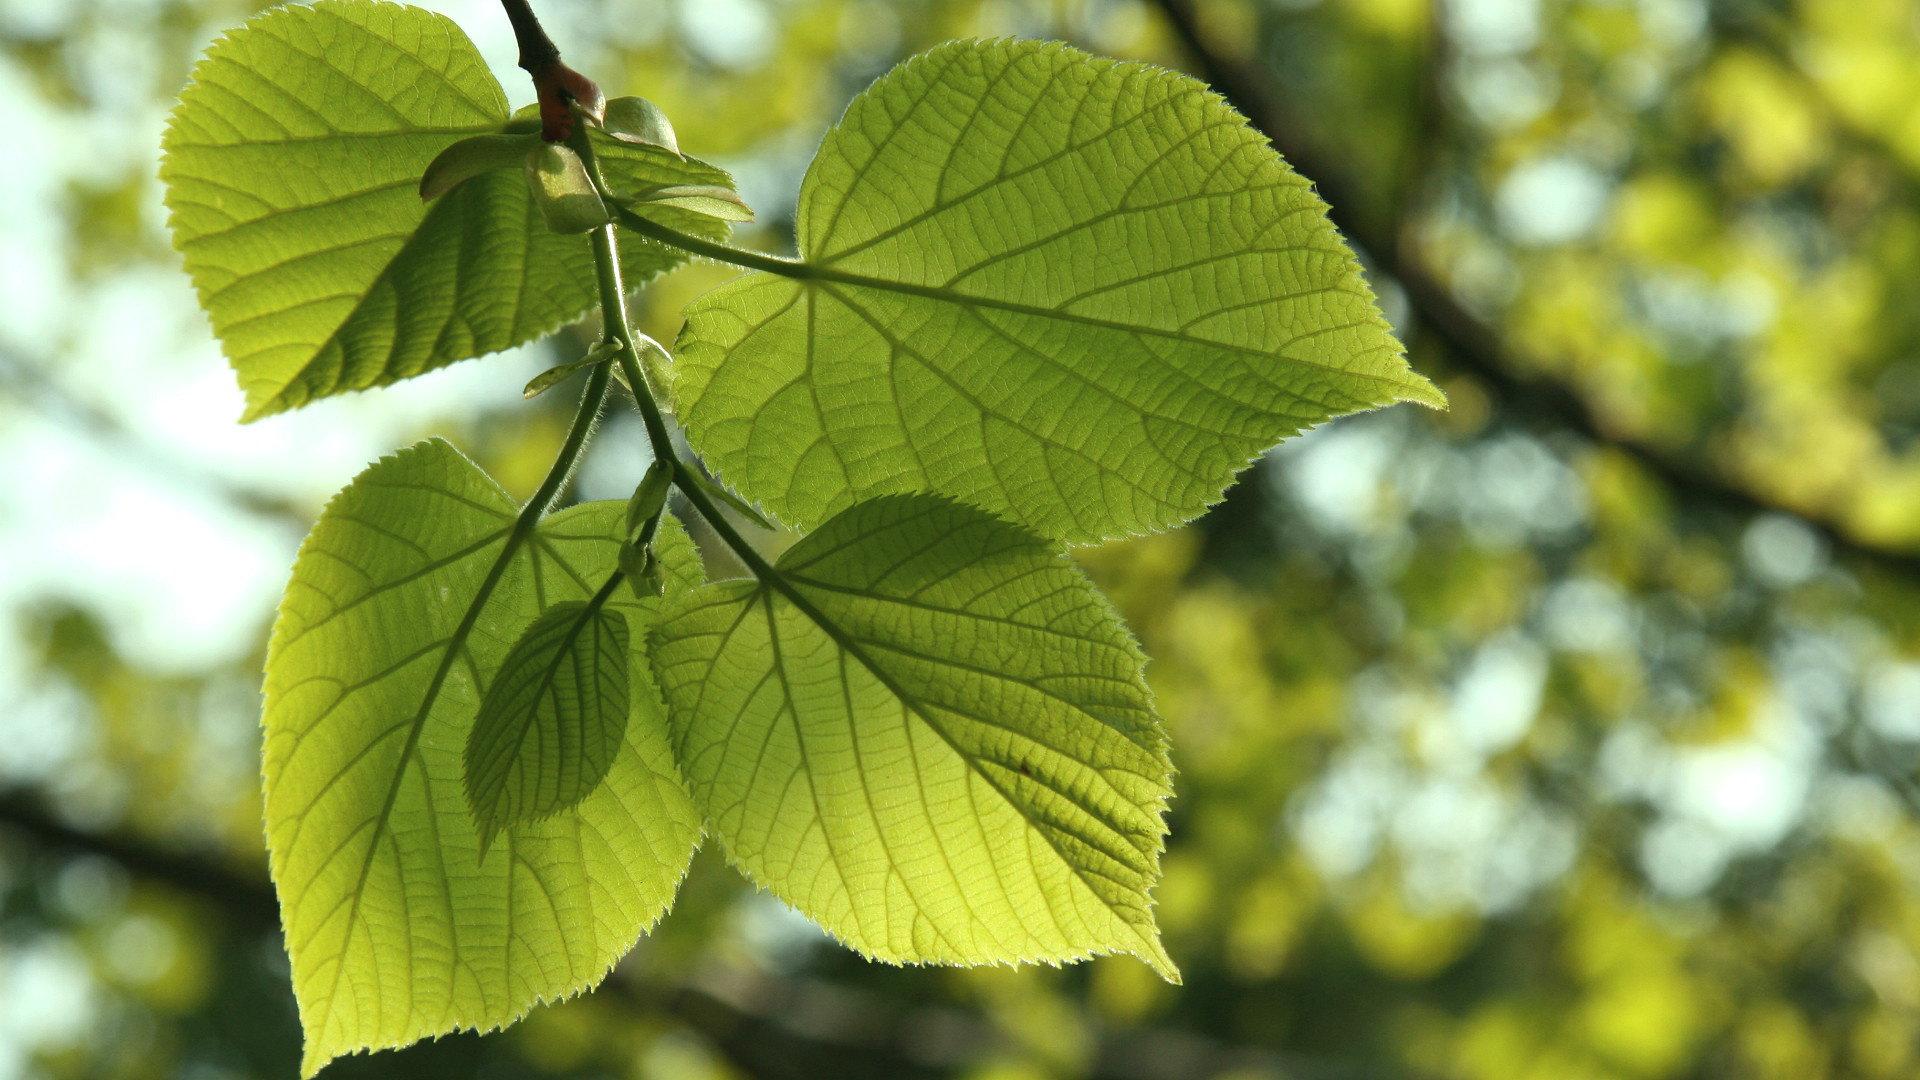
931,736
293,166
717,202
657,365
637,120
469,158
552,720
1079,292
396,929
557,374
633,170
562,190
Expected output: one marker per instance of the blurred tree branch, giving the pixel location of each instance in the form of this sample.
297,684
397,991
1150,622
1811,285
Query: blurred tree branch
244,897
1473,345
774,1027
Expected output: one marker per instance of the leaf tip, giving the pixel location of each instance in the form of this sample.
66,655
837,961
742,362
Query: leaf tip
1160,962
313,1058
1420,390
488,831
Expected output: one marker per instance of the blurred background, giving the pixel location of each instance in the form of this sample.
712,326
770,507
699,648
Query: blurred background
1570,735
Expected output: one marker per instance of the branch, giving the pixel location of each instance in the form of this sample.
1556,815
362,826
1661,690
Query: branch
1475,346
772,1027
246,897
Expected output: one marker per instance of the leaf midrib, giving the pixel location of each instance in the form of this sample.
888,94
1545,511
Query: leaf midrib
851,646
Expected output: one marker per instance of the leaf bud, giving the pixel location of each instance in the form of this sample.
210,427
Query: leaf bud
563,191
643,571
648,498
560,87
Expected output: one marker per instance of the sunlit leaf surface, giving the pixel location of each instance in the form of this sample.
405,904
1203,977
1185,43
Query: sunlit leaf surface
397,928
1078,292
292,166
938,746
553,720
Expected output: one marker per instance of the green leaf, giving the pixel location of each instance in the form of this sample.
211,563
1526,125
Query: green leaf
396,928
931,736
468,158
1079,292
660,183
559,373
292,169
716,202
635,119
552,721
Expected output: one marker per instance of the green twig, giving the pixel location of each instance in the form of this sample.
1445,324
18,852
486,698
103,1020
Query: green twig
726,253
522,531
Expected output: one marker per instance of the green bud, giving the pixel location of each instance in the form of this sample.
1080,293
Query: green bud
471,157
656,365
637,120
648,498
643,571
563,191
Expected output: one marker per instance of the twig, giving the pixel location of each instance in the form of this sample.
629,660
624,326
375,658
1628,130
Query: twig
759,1020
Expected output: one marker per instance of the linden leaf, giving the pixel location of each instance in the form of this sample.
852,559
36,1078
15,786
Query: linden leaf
1079,292
396,927
931,736
293,167
552,721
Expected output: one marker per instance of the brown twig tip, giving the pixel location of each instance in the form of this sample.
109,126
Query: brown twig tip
557,85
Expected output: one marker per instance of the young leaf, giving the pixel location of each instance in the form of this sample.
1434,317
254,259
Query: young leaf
660,183
292,169
1079,292
648,497
718,202
552,721
637,120
931,736
470,157
396,928
559,373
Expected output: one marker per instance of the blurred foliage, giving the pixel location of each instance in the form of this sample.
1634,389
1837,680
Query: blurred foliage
1499,758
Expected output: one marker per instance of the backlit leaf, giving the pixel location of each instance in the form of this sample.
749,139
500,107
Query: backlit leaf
938,745
1079,292
552,721
397,929
292,170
